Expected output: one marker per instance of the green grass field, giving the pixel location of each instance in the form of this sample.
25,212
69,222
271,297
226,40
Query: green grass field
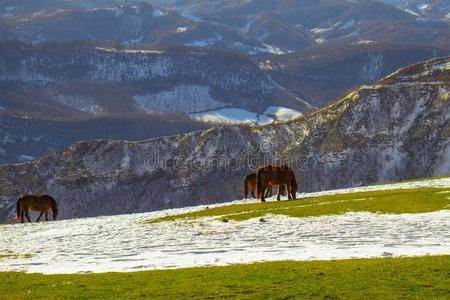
384,278
387,201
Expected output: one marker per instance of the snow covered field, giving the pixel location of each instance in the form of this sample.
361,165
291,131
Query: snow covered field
125,243
239,115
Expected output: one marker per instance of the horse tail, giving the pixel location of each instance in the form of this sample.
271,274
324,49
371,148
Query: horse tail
18,209
294,186
245,188
259,183
54,209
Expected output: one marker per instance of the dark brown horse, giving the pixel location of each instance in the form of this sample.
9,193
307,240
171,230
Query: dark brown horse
275,175
250,185
36,203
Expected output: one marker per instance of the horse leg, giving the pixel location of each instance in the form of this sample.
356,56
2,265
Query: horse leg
289,191
22,212
263,193
46,215
253,194
37,220
26,215
269,191
279,192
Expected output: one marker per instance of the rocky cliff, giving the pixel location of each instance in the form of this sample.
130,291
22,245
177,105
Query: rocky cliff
395,129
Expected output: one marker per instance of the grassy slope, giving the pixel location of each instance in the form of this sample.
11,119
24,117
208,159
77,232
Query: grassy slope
389,278
387,201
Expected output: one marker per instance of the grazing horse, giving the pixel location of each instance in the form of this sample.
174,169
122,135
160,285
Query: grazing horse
275,175
36,203
250,185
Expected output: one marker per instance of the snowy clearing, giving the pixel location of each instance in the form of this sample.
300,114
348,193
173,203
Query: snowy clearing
125,243
239,115
231,115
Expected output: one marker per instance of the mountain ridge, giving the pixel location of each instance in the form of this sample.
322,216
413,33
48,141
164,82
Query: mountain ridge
376,133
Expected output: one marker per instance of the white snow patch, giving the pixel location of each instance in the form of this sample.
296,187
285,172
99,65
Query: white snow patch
83,103
364,42
321,30
282,113
124,243
424,7
232,115
320,40
181,29
239,115
158,13
411,12
276,50
441,182
443,94
2,108
206,42
140,51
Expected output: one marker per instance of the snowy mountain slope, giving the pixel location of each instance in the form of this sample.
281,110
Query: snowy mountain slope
395,129
126,243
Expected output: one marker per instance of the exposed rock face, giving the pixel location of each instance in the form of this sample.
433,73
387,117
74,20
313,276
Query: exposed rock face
396,129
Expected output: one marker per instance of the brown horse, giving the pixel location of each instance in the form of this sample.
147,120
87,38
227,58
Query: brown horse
250,185
36,203
275,175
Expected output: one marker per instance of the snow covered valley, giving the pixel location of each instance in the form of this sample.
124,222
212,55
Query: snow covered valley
127,243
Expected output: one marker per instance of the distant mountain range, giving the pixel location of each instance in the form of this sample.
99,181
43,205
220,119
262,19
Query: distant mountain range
61,90
249,27
397,128
113,69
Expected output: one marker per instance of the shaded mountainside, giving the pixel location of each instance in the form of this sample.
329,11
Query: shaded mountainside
396,129
101,80
24,139
66,93
321,74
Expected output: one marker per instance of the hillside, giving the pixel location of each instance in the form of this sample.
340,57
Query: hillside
395,129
